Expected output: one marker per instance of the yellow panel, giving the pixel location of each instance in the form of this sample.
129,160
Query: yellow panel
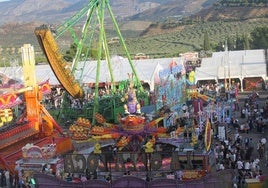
57,63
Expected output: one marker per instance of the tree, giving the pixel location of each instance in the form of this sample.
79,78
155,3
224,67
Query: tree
231,43
206,42
259,38
219,47
246,42
242,42
70,54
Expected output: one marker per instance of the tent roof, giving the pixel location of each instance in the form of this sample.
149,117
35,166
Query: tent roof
233,64
237,64
145,69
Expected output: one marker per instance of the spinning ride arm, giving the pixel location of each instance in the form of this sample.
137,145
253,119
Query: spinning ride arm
125,47
57,63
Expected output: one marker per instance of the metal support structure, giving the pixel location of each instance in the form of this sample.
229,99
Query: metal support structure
82,40
124,46
96,8
101,20
32,96
74,19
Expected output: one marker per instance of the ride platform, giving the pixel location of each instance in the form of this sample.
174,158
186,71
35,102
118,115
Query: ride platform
13,140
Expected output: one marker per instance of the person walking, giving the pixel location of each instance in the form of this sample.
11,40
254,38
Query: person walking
260,149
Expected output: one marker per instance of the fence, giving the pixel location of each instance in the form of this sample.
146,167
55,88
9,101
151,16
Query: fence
221,179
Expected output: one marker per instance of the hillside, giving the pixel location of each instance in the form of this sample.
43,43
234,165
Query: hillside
208,14
20,17
215,13
159,42
174,35
20,11
173,9
50,11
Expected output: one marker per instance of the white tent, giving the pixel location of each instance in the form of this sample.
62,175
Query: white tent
145,68
228,64
86,71
233,64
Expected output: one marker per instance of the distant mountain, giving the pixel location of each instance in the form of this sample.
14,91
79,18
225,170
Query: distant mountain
20,11
215,13
51,11
173,9
136,18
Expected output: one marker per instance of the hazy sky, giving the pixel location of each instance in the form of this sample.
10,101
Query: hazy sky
3,0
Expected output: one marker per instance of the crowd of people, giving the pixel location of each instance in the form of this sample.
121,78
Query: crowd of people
6,179
236,152
240,151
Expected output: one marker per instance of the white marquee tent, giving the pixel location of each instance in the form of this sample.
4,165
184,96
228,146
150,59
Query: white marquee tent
145,68
233,64
228,64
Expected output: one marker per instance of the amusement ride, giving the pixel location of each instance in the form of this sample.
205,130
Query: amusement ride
93,34
117,117
35,124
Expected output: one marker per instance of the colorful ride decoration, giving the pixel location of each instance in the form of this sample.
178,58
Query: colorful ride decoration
34,122
208,135
193,174
132,106
9,100
6,115
194,94
97,148
80,129
133,123
99,118
170,85
123,141
45,87
149,146
191,61
131,129
35,113
30,151
191,78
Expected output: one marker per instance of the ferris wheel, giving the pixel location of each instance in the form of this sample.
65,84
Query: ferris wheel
92,16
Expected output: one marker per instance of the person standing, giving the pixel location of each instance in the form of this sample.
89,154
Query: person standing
240,165
132,106
179,174
7,176
247,166
260,149
1,177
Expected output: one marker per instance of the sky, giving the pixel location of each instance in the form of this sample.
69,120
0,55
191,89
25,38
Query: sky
3,0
